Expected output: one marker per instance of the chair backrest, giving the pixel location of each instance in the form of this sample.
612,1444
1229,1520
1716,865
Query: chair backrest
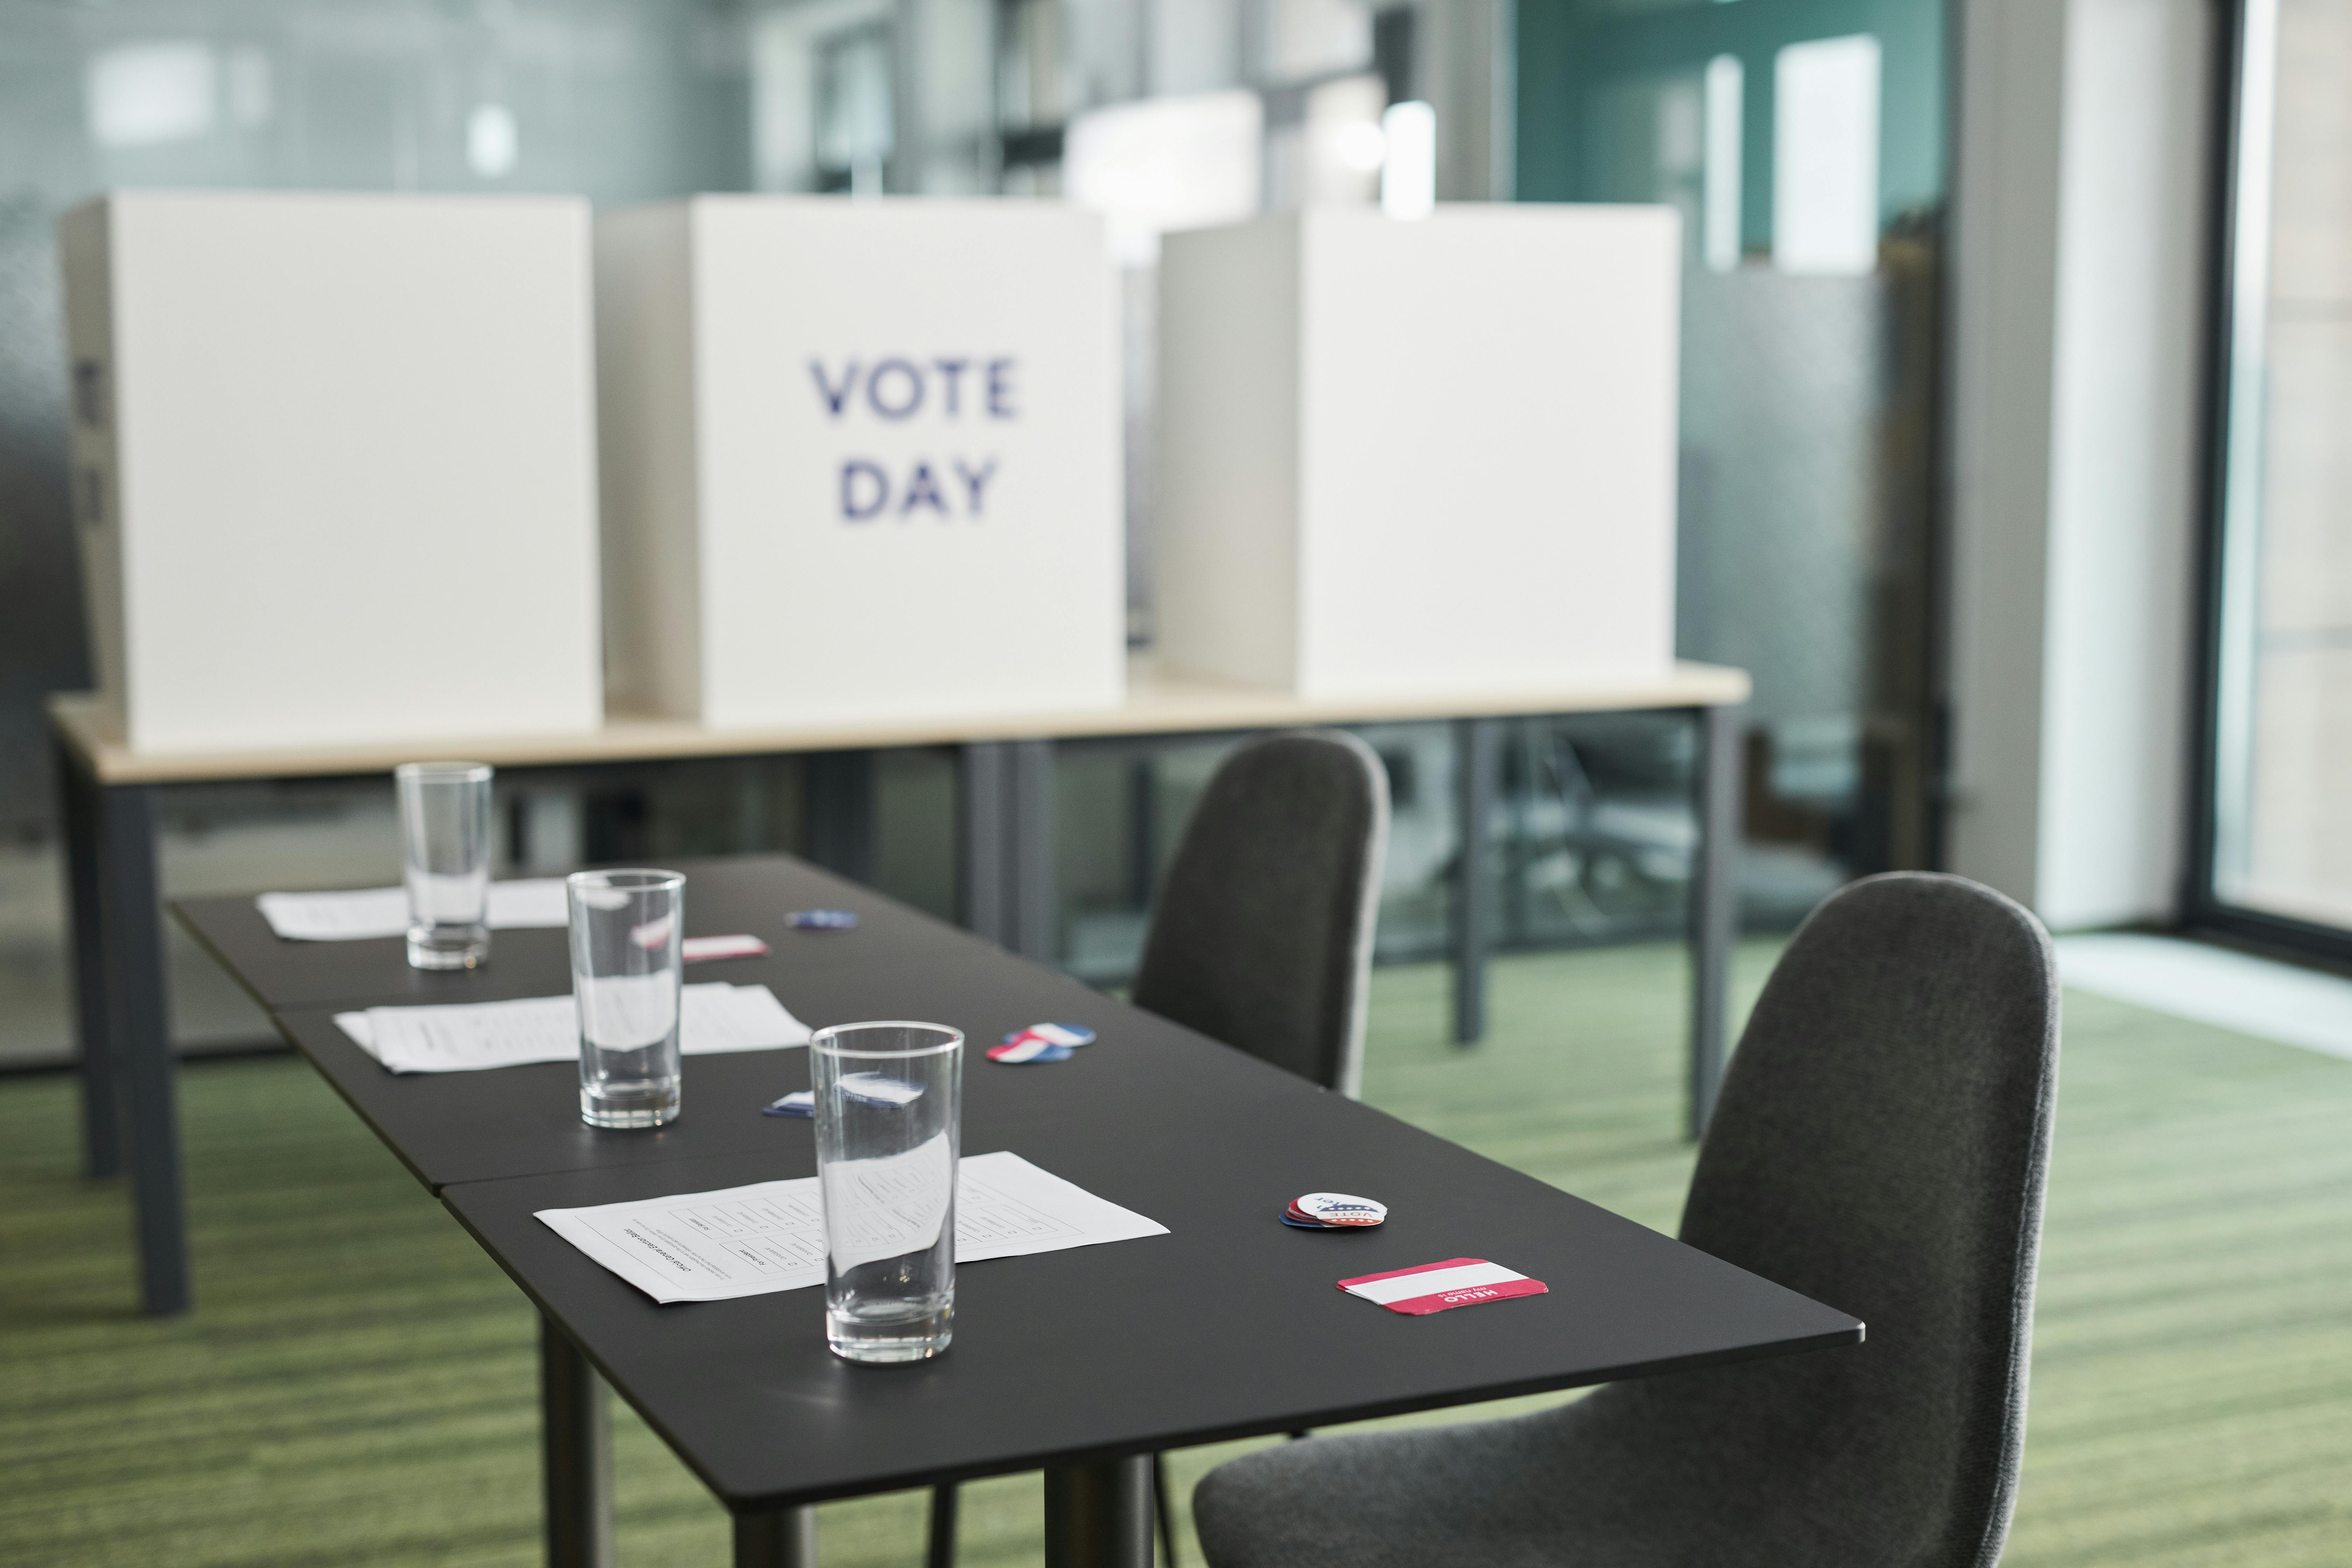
1262,934
1880,1144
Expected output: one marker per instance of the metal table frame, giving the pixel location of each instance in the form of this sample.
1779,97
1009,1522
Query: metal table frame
1006,817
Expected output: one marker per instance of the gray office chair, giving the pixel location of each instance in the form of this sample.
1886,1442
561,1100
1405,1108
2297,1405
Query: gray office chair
1262,935
1880,1145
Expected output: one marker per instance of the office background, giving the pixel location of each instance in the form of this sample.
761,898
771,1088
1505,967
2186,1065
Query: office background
1811,364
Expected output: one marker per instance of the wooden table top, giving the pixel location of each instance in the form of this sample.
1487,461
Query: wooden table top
1160,701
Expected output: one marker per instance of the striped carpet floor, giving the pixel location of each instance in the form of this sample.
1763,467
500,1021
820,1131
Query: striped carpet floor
357,1384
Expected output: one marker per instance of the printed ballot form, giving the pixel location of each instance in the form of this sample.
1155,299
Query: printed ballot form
770,1237
531,903
467,1036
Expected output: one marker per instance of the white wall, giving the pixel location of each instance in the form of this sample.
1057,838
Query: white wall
2077,340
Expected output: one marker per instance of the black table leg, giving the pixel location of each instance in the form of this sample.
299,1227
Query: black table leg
1099,1514
1005,833
939,1545
1714,906
101,1100
784,1538
139,1038
1476,745
575,1435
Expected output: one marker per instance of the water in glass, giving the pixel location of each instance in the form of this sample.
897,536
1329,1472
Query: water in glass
627,971
444,832
888,1133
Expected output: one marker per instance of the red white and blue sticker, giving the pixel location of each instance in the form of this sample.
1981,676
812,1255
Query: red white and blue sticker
821,919
800,1102
1336,1211
1025,1049
1442,1286
1071,1035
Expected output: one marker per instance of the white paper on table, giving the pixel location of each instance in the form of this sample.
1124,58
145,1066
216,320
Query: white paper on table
532,902
466,1036
889,1206
769,1235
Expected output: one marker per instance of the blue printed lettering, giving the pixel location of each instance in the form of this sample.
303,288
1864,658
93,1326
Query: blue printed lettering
974,482
951,371
877,492
1000,389
834,397
922,490
914,384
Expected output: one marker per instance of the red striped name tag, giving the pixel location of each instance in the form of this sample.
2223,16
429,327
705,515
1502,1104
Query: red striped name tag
1442,1286
699,949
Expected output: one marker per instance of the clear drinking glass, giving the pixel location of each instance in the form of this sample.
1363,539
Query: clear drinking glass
626,971
444,833
890,1127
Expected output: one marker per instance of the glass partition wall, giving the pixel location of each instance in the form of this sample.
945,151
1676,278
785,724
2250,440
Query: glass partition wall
2274,856
1805,142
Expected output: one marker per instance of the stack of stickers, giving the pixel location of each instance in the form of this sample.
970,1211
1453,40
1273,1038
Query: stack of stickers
1334,1211
1041,1043
821,919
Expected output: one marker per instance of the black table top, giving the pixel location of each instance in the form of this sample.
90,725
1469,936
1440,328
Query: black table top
747,894
525,1121
1230,1325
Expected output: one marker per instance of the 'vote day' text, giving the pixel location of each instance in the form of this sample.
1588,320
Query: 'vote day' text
897,388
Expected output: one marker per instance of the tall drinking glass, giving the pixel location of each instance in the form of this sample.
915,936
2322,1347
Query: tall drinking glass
444,833
627,969
890,1127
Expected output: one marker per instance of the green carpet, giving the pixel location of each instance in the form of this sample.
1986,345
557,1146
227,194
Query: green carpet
357,1384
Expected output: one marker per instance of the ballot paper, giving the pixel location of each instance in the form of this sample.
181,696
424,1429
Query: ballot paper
534,902
463,1037
769,1237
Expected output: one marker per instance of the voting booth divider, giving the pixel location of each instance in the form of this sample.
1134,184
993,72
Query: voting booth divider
1400,458
335,465
861,459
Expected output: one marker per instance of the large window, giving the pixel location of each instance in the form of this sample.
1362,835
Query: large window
2276,845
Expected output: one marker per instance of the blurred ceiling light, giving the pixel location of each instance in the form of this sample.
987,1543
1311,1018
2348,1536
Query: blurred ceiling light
1340,146
1359,144
1164,164
143,94
492,142
1719,214
1825,156
1409,174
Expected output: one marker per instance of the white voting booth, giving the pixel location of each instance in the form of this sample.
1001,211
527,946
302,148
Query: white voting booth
335,465
861,459
1414,457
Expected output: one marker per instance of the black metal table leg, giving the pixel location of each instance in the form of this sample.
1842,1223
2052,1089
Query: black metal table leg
575,1435
1005,844
1099,1514
101,1098
1714,906
783,1538
138,1039
940,1543
1477,746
